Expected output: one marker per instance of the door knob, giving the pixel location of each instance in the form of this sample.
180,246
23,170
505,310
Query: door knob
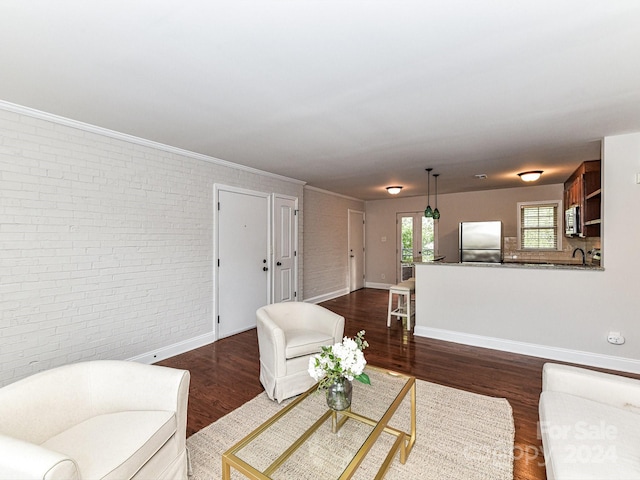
265,269
278,264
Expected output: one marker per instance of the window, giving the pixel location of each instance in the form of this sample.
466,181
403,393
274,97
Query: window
538,226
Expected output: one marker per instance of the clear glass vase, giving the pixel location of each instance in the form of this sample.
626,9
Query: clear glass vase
339,394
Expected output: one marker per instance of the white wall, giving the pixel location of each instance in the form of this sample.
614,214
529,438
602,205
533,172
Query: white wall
326,227
106,243
551,313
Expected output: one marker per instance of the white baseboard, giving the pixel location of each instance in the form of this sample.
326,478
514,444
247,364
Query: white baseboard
542,351
345,291
610,362
327,296
379,286
175,349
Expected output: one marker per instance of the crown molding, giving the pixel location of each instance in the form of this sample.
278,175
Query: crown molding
86,127
316,189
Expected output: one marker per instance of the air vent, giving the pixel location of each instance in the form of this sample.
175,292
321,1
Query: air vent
481,176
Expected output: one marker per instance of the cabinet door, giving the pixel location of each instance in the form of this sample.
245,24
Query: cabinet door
574,193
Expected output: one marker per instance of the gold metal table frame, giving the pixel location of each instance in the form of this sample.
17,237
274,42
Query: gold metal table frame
404,441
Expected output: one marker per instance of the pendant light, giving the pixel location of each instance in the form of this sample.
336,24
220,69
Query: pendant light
427,211
436,212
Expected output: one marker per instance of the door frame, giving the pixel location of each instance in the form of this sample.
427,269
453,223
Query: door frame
295,243
216,233
417,245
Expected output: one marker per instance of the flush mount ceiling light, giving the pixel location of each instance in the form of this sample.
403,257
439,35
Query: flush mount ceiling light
530,176
394,189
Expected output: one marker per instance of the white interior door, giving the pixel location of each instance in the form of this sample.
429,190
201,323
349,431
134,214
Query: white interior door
356,250
242,281
285,244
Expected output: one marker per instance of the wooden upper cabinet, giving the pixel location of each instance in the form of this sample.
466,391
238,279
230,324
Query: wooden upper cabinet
584,189
572,192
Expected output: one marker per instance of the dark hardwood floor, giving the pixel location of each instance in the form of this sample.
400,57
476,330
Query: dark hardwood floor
224,375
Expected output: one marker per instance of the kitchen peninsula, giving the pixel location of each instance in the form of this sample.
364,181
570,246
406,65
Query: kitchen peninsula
517,307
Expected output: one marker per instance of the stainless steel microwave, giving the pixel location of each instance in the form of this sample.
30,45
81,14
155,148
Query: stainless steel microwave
572,220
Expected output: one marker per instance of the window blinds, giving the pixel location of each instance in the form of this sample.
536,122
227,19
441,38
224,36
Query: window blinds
539,227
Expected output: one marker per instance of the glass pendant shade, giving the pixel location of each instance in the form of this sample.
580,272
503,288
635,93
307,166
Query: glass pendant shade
428,212
436,214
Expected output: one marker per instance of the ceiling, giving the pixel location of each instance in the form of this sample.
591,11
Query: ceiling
349,96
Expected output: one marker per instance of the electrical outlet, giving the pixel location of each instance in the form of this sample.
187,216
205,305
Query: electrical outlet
383,276
615,338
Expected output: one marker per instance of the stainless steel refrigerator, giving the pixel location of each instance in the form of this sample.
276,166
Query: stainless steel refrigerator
480,242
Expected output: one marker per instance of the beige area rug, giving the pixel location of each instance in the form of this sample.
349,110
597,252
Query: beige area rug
460,435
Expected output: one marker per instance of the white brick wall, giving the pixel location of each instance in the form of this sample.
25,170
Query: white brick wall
106,245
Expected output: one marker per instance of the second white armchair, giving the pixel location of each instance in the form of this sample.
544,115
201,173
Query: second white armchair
288,335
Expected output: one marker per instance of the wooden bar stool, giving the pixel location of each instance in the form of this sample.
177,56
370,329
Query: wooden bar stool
404,309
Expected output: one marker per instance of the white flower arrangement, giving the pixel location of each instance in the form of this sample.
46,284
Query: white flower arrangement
340,360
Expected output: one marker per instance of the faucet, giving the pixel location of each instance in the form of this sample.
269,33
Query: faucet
584,257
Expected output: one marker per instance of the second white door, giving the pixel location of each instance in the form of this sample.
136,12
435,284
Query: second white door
285,245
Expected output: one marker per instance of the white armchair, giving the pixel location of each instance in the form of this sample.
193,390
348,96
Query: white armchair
288,335
95,420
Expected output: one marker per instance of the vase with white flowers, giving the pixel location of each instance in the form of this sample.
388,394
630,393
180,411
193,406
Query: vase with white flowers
337,366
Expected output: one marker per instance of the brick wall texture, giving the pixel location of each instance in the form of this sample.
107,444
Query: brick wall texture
326,242
106,245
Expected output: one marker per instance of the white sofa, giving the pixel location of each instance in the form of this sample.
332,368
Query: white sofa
288,335
95,420
590,424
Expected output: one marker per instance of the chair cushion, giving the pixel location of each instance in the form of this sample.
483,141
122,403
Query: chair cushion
305,342
115,445
584,439
406,285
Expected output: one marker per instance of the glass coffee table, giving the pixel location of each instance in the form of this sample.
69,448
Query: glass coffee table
306,439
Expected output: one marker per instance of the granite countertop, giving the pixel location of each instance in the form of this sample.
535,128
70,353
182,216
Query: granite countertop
528,265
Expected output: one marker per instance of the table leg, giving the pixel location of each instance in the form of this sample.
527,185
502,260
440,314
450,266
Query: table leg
226,470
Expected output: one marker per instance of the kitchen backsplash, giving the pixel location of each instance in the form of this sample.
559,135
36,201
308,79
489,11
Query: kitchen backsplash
512,254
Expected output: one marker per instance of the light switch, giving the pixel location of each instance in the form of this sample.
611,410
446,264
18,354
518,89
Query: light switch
383,239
